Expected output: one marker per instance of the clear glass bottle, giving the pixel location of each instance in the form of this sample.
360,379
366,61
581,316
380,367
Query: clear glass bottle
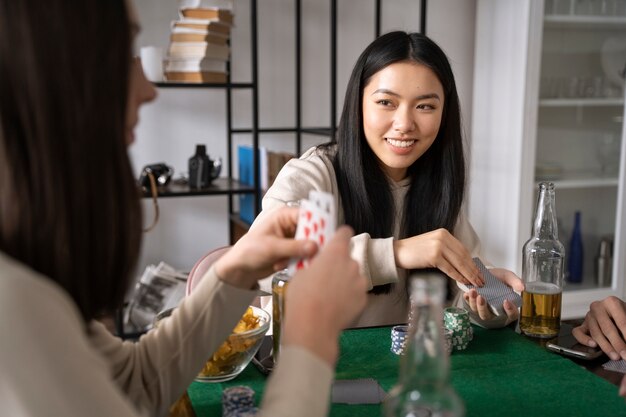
543,271
423,387
280,282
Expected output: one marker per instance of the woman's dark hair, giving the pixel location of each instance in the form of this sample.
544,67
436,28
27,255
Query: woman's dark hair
435,196
69,206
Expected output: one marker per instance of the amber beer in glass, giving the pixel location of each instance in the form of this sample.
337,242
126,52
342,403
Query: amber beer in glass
541,310
280,281
543,271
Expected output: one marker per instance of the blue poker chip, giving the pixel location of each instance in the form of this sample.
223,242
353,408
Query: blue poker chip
243,412
399,336
237,398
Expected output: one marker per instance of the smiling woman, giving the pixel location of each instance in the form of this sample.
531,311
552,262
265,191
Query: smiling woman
397,172
402,109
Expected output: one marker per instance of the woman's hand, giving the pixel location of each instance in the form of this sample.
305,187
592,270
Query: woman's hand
324,298
264,249
605,326
478,304
438,249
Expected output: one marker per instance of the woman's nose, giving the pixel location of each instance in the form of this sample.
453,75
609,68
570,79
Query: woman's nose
143,89
404,120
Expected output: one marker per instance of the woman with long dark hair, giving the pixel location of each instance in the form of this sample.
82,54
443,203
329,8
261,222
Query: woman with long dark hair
397,170
70,232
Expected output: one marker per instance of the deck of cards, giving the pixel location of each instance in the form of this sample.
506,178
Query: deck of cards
494,291
316,222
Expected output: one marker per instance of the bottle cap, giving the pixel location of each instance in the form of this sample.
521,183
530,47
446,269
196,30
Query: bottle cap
605,248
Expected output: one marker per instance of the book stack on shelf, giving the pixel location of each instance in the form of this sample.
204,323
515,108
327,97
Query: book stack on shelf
199,49
270,163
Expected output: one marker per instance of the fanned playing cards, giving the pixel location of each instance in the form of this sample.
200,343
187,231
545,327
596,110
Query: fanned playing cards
316,222
494,291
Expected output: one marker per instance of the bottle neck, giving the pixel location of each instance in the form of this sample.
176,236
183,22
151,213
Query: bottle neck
425,363
545,226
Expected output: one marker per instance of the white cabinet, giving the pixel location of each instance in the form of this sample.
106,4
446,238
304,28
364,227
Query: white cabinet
549,105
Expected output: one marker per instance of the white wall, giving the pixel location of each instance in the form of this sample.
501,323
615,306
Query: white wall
180,118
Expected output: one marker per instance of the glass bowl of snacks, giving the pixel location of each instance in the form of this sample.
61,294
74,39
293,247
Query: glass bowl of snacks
232,357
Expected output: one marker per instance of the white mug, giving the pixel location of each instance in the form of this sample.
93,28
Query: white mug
152,62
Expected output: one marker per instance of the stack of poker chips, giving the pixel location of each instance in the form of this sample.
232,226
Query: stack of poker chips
458,320
447,333
399,336
238,402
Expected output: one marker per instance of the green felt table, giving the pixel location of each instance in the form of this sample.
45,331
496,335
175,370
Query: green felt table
501,373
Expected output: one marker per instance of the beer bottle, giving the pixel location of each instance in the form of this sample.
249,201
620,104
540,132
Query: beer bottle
280,282
543,271
423,387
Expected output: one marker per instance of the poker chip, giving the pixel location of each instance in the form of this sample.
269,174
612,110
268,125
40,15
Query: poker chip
246,412
457,320
447,333
399,336
237,400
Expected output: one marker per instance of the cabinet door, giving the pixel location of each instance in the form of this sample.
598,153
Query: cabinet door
565,125
579,126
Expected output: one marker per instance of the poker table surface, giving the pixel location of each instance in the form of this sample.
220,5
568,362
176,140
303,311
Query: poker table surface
501,373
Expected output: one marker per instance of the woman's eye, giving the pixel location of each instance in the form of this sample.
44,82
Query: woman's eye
384,102
426,107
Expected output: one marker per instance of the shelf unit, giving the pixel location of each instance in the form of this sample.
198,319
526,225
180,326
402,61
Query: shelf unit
533,134
231,187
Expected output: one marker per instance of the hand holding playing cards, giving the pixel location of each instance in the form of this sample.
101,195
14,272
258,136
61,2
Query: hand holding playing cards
478,304
264,249
605,326
438,249
323,298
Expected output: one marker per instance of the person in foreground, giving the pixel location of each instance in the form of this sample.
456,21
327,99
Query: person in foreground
605,326
70,233
397,171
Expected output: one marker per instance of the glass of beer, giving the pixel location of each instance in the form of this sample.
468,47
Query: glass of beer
280,282
543,271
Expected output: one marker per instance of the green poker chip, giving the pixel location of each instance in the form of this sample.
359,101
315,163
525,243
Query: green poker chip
457,320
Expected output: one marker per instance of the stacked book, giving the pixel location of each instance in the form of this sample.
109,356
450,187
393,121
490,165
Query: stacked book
199,49
270,164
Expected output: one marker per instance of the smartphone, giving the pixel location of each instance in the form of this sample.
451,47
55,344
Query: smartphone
263,360
568,345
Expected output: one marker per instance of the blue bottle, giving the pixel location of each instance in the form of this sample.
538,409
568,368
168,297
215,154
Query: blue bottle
575,261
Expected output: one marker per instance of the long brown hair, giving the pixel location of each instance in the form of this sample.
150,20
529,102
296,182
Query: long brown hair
437,189
69,205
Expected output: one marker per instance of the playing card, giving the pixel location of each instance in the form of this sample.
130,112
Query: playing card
357,391
316,222
617,366
494,291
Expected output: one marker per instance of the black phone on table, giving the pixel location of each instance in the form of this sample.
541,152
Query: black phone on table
566,344
264,360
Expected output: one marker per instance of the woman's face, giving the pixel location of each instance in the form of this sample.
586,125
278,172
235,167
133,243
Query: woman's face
140,90
402,108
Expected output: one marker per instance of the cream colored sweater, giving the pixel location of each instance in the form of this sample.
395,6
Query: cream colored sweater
314,171
53,364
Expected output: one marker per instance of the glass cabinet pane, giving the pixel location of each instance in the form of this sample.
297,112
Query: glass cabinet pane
580,117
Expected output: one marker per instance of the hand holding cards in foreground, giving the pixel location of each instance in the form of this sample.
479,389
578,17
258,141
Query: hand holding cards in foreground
316,222
495,292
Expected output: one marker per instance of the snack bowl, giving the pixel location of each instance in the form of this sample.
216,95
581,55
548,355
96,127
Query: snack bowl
236,352
232,357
